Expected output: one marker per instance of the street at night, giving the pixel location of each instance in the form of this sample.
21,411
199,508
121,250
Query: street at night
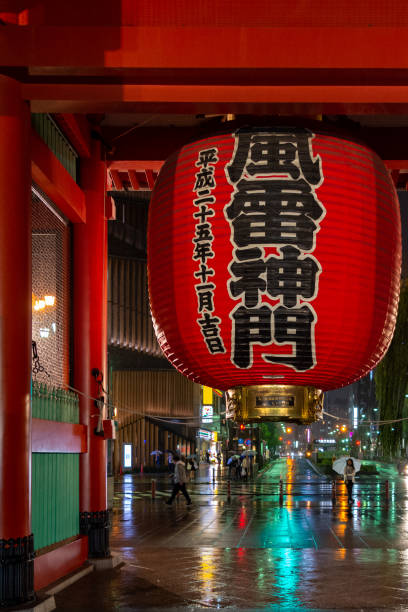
253,552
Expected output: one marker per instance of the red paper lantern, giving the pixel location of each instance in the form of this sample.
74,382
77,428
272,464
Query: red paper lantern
274,265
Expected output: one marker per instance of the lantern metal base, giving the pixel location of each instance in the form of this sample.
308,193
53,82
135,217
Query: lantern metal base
288,403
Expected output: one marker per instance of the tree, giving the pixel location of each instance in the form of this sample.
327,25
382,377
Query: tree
391,380
269,432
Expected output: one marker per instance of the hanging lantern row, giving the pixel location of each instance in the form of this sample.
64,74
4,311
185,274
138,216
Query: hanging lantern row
274,264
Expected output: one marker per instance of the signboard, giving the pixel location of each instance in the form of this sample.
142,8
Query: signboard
127,455
214,436
207,412
204,434
248,442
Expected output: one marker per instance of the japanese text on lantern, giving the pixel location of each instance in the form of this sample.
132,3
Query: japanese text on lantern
203,251
274,216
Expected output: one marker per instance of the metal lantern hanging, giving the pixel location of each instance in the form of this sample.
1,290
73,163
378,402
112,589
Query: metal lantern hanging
274,265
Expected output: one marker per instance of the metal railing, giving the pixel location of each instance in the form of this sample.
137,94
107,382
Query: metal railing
54,404
50,133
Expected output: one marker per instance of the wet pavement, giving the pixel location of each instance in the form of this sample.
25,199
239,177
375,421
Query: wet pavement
255,551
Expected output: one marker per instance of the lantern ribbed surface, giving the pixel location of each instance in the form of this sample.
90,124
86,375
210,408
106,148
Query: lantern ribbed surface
299,236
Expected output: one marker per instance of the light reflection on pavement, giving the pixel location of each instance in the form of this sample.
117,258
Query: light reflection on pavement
253,552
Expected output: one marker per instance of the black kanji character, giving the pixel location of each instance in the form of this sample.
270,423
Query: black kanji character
204,213
203,251
290,197
269,229
291,277
204,273
205,178
205,287
204,200
295,326
215,345
205,300
250,326
248,273
203,232
209,325
275,151
208,156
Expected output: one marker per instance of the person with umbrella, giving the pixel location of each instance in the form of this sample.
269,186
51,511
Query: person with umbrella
349,478
156,454
232,466
347,467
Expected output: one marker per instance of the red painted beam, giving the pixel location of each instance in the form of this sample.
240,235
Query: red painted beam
96,97
117,181
135,165
223,14
76,128
397,164
149,178
134,181
110,208
56,437
55,564
198,47
219,99
51,176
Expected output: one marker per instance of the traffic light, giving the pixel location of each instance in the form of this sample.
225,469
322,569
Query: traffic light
242,427
358,442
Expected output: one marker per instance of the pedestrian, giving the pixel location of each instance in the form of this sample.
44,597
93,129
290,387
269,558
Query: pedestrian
219,458
251,466
349,478
238,469
244,468
207,456
191,467
179,481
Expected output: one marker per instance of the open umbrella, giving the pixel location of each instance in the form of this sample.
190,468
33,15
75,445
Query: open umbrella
248,453
156,452
231,459
339,465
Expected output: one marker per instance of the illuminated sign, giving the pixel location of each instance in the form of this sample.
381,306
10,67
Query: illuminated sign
355,417
127,455
214,436
207,395
204,434
207,412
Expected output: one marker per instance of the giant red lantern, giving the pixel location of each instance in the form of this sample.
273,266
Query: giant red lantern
274,266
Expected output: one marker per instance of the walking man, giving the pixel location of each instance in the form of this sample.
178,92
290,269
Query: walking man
179,481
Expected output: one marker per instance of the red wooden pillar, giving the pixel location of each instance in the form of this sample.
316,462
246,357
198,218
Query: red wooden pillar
16,540
90,349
